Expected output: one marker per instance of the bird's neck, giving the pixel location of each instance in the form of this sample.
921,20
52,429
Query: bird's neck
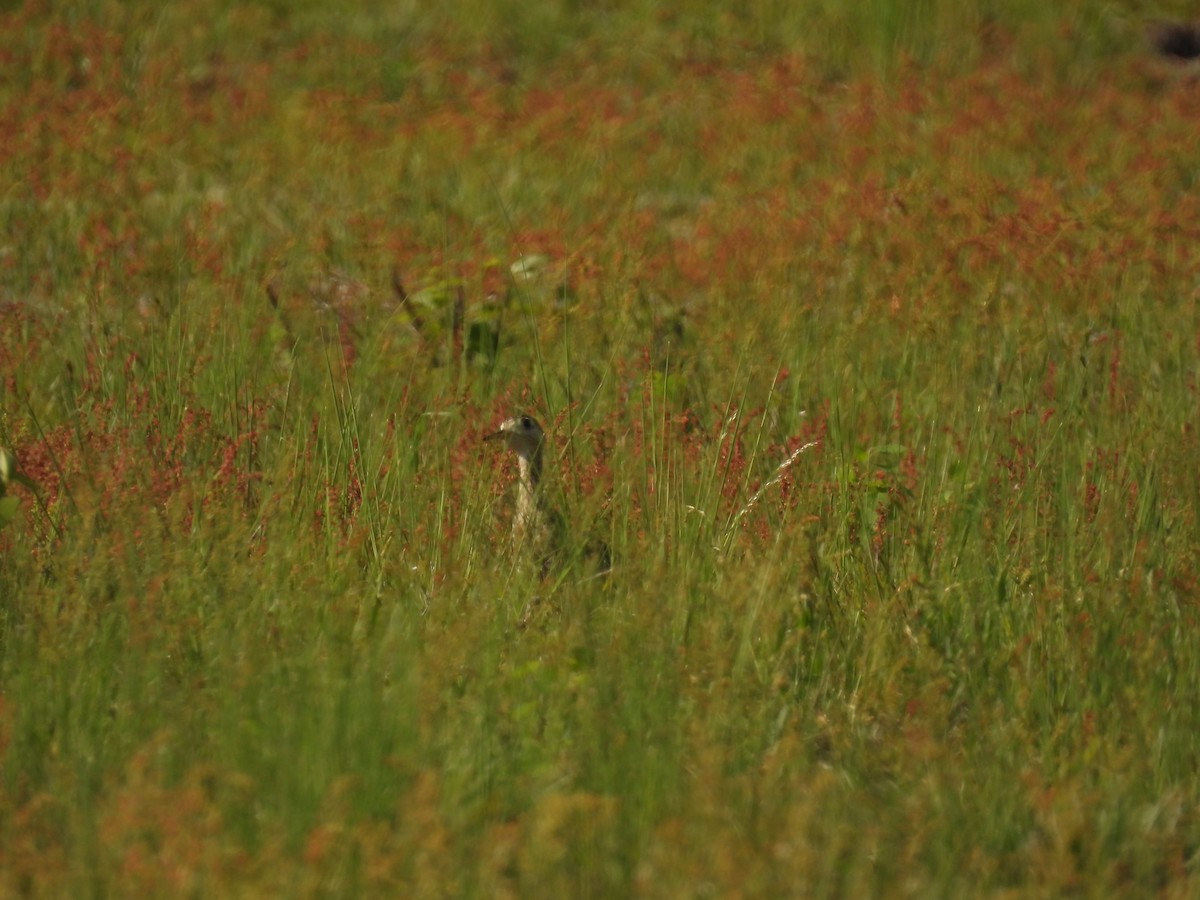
527,495
531,471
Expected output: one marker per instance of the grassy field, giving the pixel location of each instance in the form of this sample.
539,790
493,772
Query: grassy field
868,341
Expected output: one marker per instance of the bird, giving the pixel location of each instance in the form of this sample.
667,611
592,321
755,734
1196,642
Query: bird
539,531
537,527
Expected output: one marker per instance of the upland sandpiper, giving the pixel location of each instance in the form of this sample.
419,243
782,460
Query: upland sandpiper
537,527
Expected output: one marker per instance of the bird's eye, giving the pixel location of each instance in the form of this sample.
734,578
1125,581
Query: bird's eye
526,423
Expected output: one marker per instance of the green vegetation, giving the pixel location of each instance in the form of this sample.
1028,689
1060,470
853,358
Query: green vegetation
268,272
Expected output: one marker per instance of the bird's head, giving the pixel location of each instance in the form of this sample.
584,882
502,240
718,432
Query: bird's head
521,434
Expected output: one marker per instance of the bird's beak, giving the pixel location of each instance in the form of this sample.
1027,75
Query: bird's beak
494,435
